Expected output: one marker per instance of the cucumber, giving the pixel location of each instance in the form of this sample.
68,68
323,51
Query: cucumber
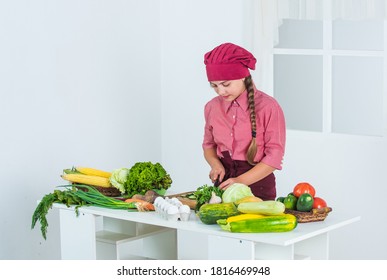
267,207
305,202
273,223
290,202
210,213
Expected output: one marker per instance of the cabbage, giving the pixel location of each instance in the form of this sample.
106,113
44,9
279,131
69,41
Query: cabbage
236,191
119,178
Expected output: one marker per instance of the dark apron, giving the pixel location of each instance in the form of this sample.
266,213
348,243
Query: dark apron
264,189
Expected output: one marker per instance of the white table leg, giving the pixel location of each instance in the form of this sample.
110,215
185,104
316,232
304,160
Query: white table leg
265,251
317,247
77,235
191,245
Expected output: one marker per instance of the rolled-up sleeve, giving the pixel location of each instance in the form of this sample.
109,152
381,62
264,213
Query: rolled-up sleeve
274,135
208,138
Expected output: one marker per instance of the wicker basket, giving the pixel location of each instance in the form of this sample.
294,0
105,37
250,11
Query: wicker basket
111,191
314,215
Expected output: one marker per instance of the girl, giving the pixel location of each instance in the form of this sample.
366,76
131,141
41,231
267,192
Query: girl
244,135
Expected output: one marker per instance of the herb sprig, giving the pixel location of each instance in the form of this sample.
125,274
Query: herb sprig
66,197
203,194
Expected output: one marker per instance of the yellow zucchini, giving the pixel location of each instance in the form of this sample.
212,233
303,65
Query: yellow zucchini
241,217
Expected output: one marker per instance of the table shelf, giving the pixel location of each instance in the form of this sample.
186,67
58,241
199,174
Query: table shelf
120,246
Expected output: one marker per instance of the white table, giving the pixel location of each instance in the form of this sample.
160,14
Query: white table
99,233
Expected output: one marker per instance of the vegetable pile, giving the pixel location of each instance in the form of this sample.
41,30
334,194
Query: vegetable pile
240,211
205,193
304,204
235,209
303,198
138,179
93,187
76,195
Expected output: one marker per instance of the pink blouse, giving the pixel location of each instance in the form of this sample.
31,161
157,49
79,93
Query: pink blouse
228,128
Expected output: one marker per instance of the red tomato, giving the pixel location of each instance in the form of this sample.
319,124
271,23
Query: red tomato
303,187
319,203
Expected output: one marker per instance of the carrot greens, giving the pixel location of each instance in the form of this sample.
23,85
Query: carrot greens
74,195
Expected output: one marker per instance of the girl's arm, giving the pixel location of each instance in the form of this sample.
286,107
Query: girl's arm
258,172
217,169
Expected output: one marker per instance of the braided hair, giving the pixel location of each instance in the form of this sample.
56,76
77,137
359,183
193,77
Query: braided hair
252,150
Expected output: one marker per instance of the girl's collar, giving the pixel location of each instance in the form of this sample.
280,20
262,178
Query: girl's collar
241,101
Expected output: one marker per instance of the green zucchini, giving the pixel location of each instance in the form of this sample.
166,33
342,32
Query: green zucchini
210,213
272,223
268,207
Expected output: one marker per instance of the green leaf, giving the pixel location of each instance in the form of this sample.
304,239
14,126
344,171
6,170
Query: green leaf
203,194
144,176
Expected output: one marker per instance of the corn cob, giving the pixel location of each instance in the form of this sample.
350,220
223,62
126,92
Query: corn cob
93,171
87,180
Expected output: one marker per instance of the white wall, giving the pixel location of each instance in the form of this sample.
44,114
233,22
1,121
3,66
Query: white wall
349,171
79,85
188,30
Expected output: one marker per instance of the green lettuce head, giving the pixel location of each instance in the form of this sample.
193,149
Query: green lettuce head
119,178
235,192
144,176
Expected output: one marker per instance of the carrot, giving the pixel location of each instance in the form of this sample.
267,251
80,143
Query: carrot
141,205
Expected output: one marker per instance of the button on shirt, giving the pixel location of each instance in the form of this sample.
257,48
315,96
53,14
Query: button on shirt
228,128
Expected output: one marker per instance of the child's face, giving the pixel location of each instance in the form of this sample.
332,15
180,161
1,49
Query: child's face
228,90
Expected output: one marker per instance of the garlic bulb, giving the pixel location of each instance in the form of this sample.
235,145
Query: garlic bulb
214,199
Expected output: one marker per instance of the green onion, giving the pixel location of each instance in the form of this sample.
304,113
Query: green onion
73,195
95,198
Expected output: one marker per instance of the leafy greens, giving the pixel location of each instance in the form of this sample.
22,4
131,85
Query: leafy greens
144,176
203,194
119,178
236,191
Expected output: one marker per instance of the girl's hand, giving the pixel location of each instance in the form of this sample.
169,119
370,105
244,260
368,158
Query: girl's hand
224,185
217,173
258,172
